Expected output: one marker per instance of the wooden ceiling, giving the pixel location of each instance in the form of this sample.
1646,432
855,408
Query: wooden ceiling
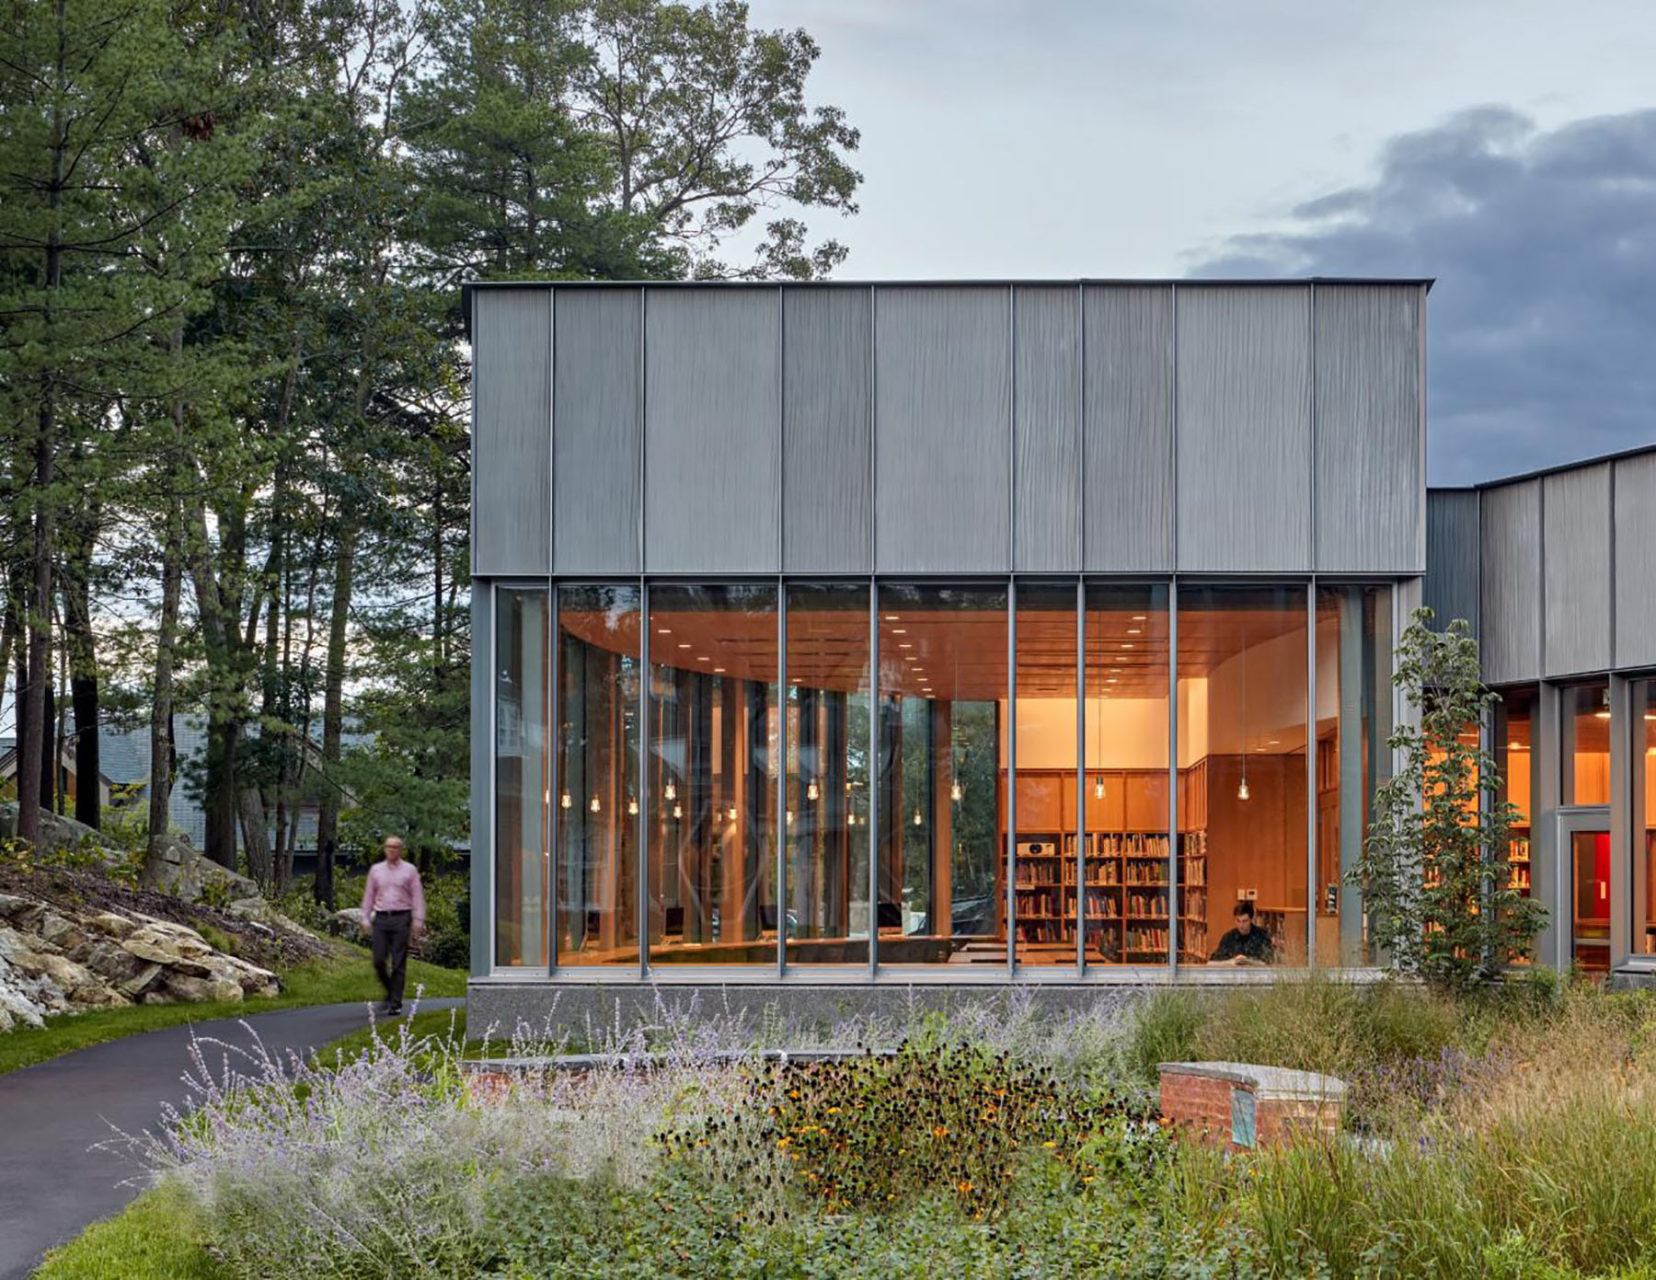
946,646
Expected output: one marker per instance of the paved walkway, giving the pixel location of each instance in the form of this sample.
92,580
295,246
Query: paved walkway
52,1183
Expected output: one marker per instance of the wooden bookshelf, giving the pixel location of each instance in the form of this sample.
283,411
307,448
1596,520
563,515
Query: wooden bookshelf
1125,891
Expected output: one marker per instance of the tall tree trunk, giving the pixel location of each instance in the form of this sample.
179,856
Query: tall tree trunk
327,820
32,702
82,651
255,830
223,803
161,705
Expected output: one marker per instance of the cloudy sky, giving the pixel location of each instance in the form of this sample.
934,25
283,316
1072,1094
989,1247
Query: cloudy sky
1506,147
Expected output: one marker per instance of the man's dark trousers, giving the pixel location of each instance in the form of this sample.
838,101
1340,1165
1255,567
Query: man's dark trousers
391,952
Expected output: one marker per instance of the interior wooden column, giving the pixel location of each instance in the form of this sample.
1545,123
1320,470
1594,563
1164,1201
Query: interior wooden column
940,732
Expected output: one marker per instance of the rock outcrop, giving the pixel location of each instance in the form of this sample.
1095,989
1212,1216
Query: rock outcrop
54,958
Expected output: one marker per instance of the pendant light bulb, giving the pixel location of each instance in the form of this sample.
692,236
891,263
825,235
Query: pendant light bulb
671,792
564,801
632,806
678,811
957,793
790,817
1242,791
811,790
1098,787
917,819
595,806
731,813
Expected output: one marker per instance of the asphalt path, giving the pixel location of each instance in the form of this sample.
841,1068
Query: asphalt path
55,1180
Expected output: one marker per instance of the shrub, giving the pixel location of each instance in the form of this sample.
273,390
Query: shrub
1164,1029
867,1131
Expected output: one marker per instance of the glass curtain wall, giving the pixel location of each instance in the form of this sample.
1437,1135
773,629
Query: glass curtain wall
943,682
1642,706
1241,715
827,915
1354,691
1127,871
1046,905
714,751
596,852
1586,746
1514,740
521,801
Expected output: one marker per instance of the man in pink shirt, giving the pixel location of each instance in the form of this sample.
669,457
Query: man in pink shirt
393,905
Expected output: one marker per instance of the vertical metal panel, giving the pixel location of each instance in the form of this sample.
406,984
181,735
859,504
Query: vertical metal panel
1452,556
1510,609
1576,559
1636,561
827,488
1369,429
1129,428
482,778
942,406
596,398
1244,440
712,431
1045,422
511,431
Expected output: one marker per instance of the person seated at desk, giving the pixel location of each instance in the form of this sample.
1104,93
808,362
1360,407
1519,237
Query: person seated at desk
1246,944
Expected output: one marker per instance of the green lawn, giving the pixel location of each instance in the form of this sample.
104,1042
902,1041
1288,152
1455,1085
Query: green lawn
341,979
155,1238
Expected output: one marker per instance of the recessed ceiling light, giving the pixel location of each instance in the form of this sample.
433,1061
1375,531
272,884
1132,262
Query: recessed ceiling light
664,631
899,631
1133,631
1271,742
701,659
718,669
1126,646
684,646
892,617
1138,617
905,645
1111,680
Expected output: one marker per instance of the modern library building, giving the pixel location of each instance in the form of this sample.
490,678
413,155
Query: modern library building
852,639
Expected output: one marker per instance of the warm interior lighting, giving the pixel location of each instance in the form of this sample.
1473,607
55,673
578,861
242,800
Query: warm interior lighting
670,792
564,801
957,793
731,813
1242,791
1098,787
892,617
811,791
683,646
664,631
678,811
632,806
790,817
917,821
593,803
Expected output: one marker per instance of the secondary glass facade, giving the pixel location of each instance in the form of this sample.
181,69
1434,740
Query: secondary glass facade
1642,758
1055,776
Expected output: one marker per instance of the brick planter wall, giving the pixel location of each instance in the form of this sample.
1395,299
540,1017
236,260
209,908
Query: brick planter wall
1238,1105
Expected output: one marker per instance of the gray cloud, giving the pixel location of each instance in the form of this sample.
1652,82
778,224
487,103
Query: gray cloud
1542,339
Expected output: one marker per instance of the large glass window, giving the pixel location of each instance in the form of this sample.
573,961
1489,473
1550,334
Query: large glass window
1354,675
713,756
1242,714
1586,755
521,801
1514,740
943,681
1642,706
827,917
1127,869
1044,868
596,861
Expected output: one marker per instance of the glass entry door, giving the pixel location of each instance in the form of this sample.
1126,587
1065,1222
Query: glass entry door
1586,838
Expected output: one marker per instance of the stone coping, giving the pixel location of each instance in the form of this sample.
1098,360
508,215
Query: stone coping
648,1061
1264,1082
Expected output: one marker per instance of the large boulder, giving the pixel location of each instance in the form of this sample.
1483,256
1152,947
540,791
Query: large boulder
181,870
54,957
